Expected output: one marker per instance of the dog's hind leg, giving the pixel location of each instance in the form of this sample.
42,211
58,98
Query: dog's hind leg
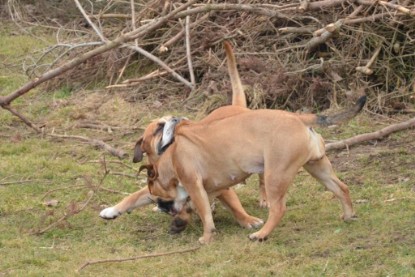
323,171
231,201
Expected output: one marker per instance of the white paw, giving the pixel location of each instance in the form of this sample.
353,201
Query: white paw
257,223
263,203
252,222
257,237
109,213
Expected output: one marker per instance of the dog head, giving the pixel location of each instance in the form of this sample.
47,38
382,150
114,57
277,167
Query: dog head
157,137
166,189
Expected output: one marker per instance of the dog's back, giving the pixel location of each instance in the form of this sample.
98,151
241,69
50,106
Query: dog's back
250,141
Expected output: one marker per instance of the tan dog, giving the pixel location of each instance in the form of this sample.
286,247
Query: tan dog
206,157
150,143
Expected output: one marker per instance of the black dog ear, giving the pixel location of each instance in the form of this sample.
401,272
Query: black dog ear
138,152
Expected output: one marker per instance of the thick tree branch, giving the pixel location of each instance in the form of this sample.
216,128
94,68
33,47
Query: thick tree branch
141,31
371,136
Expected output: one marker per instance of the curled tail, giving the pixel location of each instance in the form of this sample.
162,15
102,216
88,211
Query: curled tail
328,120
238,94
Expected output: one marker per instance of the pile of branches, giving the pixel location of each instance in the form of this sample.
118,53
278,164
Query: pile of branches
291,54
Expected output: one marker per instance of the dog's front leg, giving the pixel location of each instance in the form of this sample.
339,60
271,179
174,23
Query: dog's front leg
137,199
200,199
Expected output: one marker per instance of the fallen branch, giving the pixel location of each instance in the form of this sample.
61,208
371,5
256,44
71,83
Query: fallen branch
64,217
73,212
21,182
95,142
371,136
88,263
188,53
367,68
141,31
136,48
22,117
304,5
322,35
165,46
397,7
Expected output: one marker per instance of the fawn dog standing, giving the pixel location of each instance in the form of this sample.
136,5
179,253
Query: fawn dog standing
150,143
204,158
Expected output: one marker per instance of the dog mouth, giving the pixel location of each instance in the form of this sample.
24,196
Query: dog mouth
167,207
172,207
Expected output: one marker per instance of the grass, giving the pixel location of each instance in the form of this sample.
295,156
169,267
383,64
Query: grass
310,241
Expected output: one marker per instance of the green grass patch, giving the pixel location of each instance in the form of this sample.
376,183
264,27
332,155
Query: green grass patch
311,239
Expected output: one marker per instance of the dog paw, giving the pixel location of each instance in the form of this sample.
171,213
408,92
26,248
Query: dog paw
251,222
178,225
263,203
109,213
207,237
257,237
349,218
205,241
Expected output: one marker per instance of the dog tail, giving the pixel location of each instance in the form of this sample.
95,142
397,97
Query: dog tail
335,119
238,94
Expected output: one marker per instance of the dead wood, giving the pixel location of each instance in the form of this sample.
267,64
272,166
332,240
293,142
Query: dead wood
273,41
22,117
141,31
88,263
95,142
346,143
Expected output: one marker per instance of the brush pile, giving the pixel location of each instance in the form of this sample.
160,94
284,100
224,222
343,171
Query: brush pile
291,54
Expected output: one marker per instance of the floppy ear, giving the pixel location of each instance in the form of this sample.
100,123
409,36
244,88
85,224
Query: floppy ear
138,153
151,171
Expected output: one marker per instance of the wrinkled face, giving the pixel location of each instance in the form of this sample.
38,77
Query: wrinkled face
167,191
148,142
157,189
156,138
174,193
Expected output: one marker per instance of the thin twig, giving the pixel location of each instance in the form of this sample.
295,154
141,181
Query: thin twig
142,30
69,214
137,48
63,188
161,63
99,143
188,52
21,182
23,118
88,19
88,263
133,19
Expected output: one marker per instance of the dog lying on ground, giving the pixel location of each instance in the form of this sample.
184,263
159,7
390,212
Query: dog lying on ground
205,158
150,143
